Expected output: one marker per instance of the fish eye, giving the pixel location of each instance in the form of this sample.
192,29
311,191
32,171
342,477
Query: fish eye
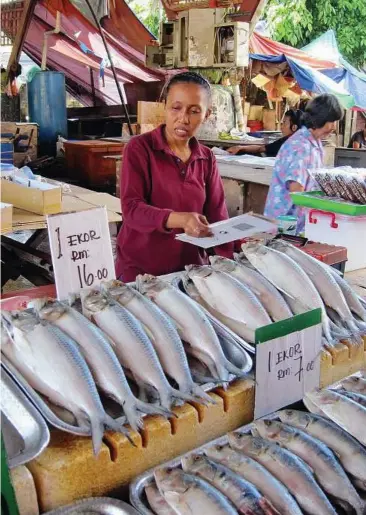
169,470
219,447
197,458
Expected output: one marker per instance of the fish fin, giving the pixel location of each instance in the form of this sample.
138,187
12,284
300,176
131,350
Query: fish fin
172,498
114,425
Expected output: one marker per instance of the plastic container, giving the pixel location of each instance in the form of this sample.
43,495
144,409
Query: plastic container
318,200
342,230
6,152
255,125
287,224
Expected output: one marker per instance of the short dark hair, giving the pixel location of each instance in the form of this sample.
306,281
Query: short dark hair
186,78
322,109
295,116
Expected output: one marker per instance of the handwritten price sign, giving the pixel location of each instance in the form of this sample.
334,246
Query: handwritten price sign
287,361
81,250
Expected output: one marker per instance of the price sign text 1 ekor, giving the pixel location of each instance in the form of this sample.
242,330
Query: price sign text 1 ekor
81,250
287,361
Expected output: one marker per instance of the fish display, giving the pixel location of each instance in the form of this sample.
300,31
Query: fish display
267,294
39,351
230,300
345,412
357,397
244,496
256,474
189,495
192,324
327,470
351,454
287,468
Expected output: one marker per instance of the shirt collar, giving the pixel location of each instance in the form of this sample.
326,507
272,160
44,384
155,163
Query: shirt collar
310,137
160,143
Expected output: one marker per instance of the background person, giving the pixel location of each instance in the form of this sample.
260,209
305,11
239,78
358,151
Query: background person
299,154
291,122
358,140
170,184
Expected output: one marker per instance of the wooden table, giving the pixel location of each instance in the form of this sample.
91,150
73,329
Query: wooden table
246,185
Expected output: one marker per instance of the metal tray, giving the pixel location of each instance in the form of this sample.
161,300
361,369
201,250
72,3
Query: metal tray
24,430
39,403
137,487
96,506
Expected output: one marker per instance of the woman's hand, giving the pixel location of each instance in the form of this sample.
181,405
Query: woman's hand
193,224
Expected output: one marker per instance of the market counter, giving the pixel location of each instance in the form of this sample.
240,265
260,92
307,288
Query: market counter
246,181
67,470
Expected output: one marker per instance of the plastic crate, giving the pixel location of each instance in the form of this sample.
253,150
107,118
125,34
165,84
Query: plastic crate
318,200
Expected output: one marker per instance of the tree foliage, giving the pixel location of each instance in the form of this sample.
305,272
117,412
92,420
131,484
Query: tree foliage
298,22
150,12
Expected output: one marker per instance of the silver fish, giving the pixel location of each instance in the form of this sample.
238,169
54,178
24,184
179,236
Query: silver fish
157,502
190,495
350,452
357,397
322,278
53,365
231,299
131,344
268,295
343,411
328,472
288,469
354,384
100,357
288,277
163,335
244,496
258,475
352,299
222,330
193,326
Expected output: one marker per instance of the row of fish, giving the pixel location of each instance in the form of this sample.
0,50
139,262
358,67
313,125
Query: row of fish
71,352
269,283
297,463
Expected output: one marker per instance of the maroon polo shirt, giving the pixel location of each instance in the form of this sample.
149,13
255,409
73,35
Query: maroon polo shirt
155,182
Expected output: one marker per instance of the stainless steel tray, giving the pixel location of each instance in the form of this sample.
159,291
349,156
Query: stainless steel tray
97,506
24,430
137,487
39,403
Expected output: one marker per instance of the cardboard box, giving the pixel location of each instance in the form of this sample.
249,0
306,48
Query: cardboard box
25,137
246,108
6,214
256,113
269,119
34,196
150,113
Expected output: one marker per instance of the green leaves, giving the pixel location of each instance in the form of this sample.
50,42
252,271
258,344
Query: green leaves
298,22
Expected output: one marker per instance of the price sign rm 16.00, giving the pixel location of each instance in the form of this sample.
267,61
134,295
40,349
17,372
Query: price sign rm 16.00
287,361
81,250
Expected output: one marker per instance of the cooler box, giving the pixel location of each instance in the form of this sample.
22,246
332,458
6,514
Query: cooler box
339,229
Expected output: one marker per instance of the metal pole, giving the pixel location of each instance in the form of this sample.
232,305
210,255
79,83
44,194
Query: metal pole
112,66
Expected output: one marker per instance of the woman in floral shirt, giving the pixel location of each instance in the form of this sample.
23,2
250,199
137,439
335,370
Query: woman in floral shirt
302,152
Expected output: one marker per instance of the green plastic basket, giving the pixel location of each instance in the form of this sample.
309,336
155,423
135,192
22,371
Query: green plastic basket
318,200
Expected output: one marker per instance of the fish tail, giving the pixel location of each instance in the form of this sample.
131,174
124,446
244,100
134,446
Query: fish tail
132,415
182,396
202,396
150,409
97,430
114,425
267,507
234,370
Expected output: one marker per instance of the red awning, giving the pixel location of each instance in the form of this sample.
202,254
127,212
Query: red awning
265,46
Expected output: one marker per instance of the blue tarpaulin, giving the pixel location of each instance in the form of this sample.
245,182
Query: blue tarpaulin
343,80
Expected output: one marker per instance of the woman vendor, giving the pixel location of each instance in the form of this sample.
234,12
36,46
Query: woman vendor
170,184
291,122
301,153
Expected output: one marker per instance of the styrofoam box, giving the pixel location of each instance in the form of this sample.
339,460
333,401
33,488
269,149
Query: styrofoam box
335,229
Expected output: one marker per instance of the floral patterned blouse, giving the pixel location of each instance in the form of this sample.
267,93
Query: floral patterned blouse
300,153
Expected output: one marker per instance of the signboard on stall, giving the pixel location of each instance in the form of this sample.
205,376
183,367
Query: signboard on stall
287,361
81,250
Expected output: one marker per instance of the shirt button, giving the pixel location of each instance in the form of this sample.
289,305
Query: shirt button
182,172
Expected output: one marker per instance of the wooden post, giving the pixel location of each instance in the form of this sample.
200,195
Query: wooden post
28,10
